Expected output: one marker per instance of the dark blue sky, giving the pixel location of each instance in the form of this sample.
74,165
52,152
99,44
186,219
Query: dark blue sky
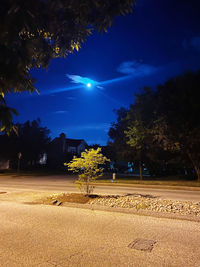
161,39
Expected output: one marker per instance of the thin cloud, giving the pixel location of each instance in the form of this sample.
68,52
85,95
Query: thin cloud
81,80
136,69
129,69
93,127
60,112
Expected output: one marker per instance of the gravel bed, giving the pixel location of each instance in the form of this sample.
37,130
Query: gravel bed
150,203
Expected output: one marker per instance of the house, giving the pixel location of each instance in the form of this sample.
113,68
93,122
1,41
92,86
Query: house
62,149
76,146
4,164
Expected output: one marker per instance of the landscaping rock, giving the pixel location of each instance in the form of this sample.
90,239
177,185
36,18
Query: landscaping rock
138,202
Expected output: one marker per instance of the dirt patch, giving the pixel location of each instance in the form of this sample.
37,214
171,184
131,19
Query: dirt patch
61,198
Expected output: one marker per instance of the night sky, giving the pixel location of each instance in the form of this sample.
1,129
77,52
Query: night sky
158,41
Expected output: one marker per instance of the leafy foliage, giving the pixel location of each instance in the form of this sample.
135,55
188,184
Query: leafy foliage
6,115
121,151
178,126
164,124
88,166
34,32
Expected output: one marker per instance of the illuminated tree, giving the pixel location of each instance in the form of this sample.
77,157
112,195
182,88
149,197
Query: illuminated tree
35,31
89,167
136,134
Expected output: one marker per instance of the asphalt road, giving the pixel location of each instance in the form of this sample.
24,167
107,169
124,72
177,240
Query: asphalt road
66,184
39,235
44,236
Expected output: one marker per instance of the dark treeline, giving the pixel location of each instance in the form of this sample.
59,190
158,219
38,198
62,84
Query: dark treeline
27,144
161,130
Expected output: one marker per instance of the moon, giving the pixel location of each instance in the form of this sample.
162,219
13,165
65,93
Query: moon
89,85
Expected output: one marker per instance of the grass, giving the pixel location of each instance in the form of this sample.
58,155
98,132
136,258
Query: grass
165,181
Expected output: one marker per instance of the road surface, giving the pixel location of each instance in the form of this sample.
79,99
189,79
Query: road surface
66,184
46,236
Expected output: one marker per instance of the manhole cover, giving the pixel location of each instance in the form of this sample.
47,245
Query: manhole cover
142,244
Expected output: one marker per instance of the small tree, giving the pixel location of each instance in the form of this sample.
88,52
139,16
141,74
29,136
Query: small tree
88,167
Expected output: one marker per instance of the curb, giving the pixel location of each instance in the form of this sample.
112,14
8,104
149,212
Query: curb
131,211
174,187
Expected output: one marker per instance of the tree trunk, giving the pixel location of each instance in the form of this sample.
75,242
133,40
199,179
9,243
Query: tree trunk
196,166
140,166
197,169
87,186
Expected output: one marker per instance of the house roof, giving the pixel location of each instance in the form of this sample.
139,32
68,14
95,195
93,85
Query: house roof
74,142
69,141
